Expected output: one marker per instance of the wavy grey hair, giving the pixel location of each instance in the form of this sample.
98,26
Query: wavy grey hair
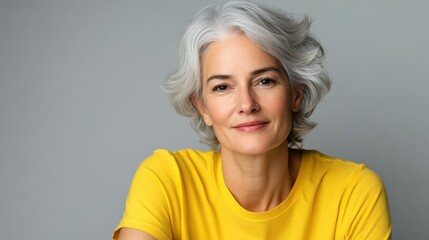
284,37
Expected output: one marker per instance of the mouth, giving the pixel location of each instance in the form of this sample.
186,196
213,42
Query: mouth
251,126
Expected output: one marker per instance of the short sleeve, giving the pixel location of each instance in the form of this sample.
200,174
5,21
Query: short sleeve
147,206
366,209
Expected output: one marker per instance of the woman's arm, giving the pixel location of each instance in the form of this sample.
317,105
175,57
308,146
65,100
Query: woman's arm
367,212
148,204
134,234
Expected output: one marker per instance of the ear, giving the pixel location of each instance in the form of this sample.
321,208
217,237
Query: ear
200,106
297,99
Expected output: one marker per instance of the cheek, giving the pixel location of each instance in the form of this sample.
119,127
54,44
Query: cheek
206,111
279,106
220,110
279,102
217,112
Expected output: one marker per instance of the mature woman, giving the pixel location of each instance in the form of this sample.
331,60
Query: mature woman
249,77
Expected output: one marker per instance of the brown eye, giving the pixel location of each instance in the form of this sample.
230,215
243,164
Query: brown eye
220,88
266,81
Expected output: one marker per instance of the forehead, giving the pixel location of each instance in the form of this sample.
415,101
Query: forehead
233,53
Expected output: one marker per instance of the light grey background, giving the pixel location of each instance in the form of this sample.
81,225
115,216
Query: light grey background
81,106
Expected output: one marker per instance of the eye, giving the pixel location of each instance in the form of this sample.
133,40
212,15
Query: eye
220,88
266,82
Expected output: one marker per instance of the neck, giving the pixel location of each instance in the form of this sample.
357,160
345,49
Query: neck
260,182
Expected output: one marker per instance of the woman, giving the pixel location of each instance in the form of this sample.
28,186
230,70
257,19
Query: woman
249,78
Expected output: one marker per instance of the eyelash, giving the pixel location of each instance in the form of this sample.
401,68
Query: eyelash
224,87
217,88
271,81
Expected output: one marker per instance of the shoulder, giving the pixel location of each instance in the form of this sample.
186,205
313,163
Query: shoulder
168,172
163,161
321,159
340,170
166,157
355,192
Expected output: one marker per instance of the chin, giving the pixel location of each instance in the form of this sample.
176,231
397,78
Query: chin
256,147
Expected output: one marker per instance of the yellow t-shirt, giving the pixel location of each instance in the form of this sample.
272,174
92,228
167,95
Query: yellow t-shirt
182,195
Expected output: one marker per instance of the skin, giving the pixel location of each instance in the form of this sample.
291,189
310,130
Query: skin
248,101
134,234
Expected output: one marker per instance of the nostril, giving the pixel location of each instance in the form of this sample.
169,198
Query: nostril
253,107
246,101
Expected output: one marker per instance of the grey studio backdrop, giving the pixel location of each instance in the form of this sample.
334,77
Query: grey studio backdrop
81,104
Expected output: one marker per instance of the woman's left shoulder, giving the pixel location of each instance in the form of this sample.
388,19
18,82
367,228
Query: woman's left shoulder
341,168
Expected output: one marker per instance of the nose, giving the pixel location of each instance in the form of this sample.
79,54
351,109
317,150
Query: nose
246,101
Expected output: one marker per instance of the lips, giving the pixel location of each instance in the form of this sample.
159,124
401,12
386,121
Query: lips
251,126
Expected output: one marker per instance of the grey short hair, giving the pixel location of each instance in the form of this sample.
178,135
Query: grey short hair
284,37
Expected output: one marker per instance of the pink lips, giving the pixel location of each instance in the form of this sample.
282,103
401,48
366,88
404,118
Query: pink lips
250,126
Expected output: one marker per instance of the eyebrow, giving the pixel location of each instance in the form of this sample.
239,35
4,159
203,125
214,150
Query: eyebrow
253,73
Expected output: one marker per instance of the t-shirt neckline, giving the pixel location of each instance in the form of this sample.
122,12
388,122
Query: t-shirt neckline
232,203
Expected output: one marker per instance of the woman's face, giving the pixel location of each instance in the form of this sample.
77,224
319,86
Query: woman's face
246,96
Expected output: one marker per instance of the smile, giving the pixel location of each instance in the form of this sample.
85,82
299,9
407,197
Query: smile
251,126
